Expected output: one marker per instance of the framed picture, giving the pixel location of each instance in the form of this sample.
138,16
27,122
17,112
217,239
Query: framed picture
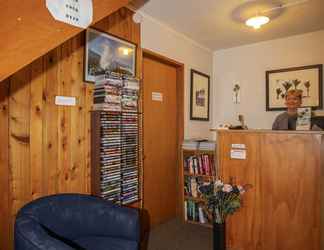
307,78
104,52
199,96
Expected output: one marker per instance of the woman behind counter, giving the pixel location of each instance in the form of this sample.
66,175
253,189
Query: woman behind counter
288,119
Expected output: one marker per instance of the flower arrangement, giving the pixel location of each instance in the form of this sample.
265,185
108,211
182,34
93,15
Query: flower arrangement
222,199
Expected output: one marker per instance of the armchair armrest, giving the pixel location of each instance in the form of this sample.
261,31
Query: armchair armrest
29,235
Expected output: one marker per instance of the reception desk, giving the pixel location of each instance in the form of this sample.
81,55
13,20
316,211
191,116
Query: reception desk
283,209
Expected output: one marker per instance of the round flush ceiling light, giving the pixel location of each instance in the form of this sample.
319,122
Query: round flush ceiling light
257,21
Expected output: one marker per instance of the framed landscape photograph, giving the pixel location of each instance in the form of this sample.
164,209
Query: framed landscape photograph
309,79
199,96
106,53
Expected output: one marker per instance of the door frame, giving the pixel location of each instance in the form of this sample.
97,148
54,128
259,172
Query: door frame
180,116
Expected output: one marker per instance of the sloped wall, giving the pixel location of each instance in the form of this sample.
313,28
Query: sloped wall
45,149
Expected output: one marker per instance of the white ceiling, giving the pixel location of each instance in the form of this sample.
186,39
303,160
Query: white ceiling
219,24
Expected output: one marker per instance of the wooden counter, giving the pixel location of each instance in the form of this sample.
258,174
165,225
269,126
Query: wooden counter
283,210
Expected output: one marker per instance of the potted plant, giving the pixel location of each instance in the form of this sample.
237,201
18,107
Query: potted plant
222,200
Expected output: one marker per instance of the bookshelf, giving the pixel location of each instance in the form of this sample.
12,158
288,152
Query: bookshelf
197,168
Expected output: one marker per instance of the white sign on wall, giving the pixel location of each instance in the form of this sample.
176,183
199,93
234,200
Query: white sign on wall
65,100
75,12
239,146
157,96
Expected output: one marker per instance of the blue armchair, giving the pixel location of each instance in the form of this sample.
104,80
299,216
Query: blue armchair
76,221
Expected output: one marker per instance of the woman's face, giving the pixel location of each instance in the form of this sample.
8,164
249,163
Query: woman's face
293,102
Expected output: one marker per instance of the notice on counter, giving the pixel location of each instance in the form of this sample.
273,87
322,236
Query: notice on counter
238,154
239,146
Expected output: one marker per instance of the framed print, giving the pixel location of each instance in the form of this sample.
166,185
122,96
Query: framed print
199,96
307,78
104,52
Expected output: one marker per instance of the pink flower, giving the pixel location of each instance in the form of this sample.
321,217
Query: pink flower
227,188
219,183
241,189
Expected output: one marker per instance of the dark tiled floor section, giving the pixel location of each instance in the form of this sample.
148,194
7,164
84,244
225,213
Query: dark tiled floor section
176,235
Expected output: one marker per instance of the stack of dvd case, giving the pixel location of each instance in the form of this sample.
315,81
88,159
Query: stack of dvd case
110,156
116,99
129,191
130,95
107,93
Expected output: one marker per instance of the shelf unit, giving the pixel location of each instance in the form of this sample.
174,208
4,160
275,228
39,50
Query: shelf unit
194,172
116,138
115,169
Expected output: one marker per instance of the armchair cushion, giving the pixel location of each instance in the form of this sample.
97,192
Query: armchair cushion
74,221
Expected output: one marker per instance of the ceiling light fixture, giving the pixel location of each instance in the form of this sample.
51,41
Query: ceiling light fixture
257,21
260,19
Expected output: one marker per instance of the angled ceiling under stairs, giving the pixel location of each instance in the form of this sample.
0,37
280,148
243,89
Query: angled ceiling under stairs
28,31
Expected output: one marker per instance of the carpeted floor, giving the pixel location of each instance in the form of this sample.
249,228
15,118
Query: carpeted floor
176,235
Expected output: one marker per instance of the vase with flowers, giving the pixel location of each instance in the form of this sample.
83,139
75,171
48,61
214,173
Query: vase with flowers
222,200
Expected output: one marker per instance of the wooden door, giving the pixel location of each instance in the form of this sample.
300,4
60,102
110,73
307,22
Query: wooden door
160,140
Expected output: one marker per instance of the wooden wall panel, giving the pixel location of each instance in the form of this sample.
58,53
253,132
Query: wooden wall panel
19,143
64,118
45,149
242,231
77,181
4,164
36,127
51,122
299,212
19,138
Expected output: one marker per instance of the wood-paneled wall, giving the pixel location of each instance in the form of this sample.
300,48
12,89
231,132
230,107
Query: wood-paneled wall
45,149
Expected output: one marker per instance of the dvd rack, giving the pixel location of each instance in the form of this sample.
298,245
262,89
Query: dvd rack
115,139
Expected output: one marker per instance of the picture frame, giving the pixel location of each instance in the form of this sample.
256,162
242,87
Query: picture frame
309,79
107,53
199,96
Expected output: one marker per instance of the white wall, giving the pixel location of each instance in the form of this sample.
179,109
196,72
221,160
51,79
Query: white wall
248,64
165,41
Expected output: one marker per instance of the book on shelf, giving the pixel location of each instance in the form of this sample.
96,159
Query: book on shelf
192,185
193,211
199,164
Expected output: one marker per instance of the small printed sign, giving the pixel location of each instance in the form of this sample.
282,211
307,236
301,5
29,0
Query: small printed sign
239,146
75,12
65,101
157,96
238,154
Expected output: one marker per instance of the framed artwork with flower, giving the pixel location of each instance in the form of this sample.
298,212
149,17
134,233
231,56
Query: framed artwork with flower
199,96
308,79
